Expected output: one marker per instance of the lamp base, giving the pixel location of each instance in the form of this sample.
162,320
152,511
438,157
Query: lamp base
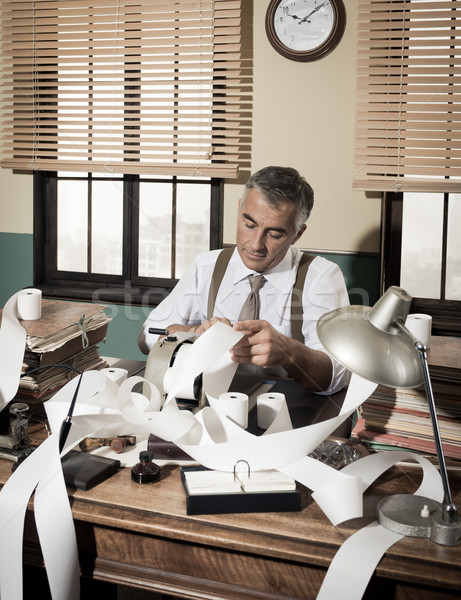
417,516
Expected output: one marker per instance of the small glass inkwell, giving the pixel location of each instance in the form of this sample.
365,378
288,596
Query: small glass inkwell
145,471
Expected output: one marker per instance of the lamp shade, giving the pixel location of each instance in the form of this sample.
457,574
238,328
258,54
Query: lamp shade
366,341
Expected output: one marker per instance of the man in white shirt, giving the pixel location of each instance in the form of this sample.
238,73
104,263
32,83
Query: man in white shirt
272,216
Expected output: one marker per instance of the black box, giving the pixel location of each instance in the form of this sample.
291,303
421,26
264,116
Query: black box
83,471
242,502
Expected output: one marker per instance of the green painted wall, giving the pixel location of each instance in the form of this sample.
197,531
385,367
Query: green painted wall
16,263
361,274
16,272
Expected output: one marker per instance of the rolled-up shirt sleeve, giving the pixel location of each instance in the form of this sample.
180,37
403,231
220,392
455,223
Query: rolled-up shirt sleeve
186,303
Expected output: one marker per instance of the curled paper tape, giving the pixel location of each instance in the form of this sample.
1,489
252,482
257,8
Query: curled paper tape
12,344
210,349
212,440
175,382
53,517
352,567
30,304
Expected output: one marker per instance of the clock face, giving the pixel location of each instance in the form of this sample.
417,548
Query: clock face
303,25
305,30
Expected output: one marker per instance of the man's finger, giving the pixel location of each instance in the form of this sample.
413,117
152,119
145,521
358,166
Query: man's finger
249,326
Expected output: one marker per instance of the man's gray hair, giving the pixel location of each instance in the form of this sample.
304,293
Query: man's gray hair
282,185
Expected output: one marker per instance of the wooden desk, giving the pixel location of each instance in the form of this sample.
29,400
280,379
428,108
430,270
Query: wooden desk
141,536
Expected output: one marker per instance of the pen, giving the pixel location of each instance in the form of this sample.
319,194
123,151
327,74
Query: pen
156,331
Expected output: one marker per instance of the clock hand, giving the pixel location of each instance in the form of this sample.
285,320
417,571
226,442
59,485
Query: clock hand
295,17
312,12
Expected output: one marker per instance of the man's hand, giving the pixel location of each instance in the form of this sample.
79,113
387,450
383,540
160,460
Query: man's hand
209,323
262,344
265,347
198,329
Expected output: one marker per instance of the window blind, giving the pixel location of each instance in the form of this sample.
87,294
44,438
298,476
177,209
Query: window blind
408,120
125,86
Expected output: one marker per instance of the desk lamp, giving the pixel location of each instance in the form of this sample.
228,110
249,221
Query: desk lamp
375,344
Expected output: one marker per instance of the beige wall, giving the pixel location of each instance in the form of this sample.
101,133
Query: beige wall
303,116
16,202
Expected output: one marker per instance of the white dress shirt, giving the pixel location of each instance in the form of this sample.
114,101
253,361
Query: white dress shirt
324,290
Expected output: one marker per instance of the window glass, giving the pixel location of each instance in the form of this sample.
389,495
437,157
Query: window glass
124,236
155,229
422,253
72,235
192,223
453,282
107,227
75,175
422,239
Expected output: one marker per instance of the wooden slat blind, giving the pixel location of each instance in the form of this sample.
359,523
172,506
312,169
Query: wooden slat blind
125,86
408,121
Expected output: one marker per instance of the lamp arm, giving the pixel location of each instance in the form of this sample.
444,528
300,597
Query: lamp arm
450,510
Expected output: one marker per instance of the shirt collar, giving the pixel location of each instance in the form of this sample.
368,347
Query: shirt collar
279,276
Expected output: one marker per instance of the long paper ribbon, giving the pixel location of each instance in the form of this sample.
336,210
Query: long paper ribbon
356,560
12,344
104,407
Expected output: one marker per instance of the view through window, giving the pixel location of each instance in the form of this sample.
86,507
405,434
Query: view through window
431,245
110,232
173,223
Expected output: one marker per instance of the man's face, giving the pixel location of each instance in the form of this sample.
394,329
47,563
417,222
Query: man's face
264,233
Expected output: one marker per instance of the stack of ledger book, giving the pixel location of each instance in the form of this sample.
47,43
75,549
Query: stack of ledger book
401,418
67,333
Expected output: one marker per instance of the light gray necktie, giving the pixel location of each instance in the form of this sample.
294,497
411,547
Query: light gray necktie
250,309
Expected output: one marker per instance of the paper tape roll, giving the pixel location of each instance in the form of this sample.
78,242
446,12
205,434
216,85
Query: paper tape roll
233,405
420,326
268,407
30,304
115,374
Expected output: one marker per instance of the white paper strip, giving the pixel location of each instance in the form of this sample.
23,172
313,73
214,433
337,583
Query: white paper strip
217,443
12,346
355,562
55,527
202,355
212,439
54,524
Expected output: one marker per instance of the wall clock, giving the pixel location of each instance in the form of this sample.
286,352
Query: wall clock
305,30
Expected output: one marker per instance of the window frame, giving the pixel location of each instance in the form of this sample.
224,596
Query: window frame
446,314
127,288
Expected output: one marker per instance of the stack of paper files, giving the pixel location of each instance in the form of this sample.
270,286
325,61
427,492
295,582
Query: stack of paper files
67,333
401,417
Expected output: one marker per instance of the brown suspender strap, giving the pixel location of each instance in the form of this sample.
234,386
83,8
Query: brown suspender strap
219,269
296,298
